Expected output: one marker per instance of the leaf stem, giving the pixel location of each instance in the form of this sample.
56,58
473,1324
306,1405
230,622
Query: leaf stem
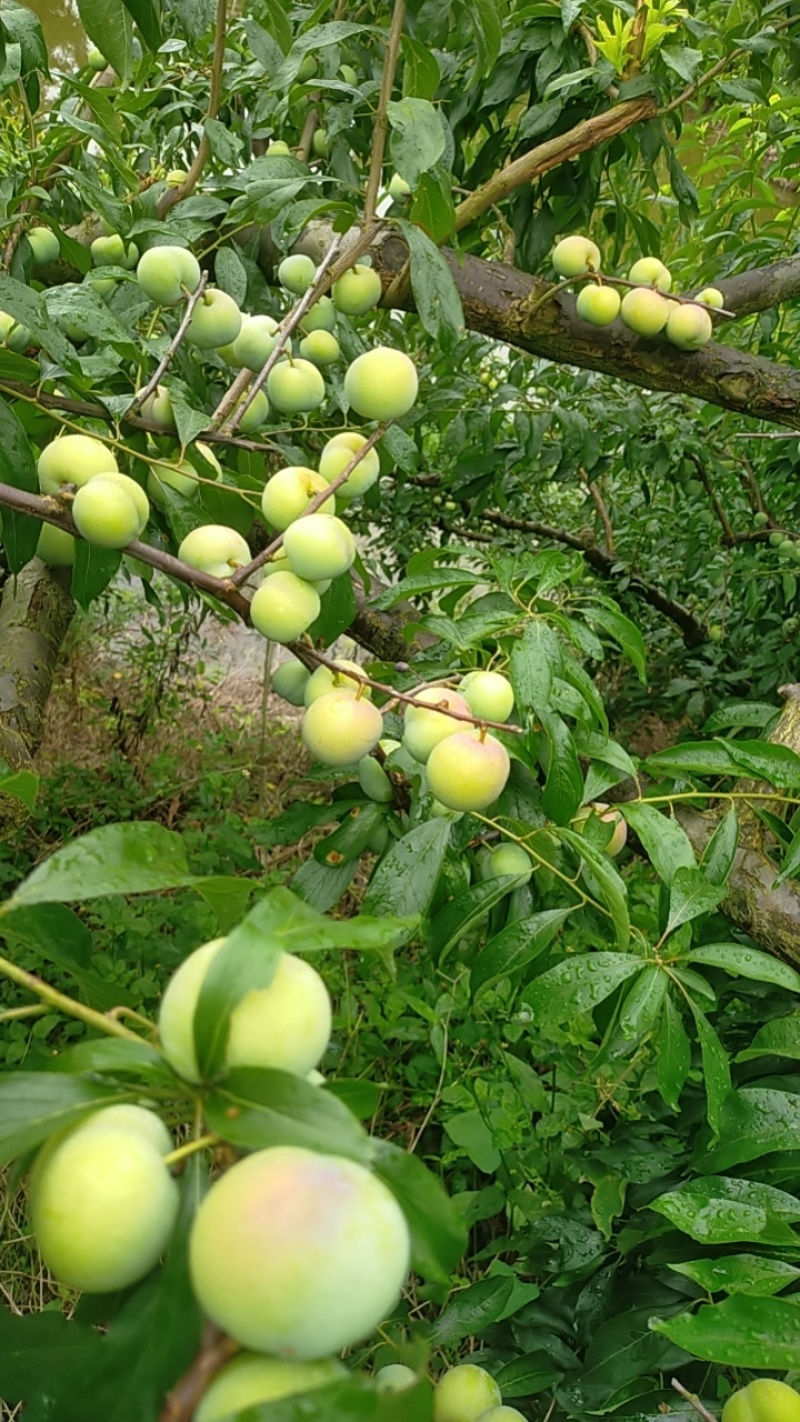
190,1148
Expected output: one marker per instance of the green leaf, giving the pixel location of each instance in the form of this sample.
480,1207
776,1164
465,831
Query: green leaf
563,787
22,786
472,1133
352,1400
229,273
255,1108
421,73
720,852
405,880
692,758
518,944
146,14
778,764
432,207
438,1233
336,613
690,896
665,843
94,568
739,1274
780,1038
33,1104
322,885
108,25
733,714
471,1309
577,985
352,836
790,866
643,1003
135,858
740,1332
17,468
724,1210
247,960
57,935
26,306
602,880
753,1122
435,293
417,141
674,1055
528,1374
535,659
746,963
716,1067
455,920
624,632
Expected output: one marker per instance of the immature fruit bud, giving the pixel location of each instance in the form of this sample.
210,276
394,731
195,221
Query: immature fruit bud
357,291
319,546
689,327
466,773
284,607
256,413
599,305
340,730
649,271
73,459
574,256
288,493
501,1414
252,1378
607,816
644,311
166,274
382,384
760,520
463,1393
319,143
278,149
764,1400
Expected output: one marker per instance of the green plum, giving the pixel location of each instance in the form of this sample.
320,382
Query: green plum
466,773
284,607
382,384
339,729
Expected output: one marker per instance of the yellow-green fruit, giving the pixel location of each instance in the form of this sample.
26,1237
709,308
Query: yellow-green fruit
600,305
319,143
296,273
395,1377
73,459
157,408
489,695
508,859
56,547
357,291
297,1253
423,728
284,607
12,334
289,680
466,773
104,286
649,271
278,149
295,386
96,60
103,1206
215,321
165,274
689,327
256,414
175,177
288,493
374,781
764,1400
183,477
340,730
398,189
44,246
382,384
644,311
308,68
319,546
324,680
574,256
321,347
321,317
348,74
213,548
336,456
253,1378
285,1026
711,296
463,1393
105,514
254,344
501,1414
134,492
112,252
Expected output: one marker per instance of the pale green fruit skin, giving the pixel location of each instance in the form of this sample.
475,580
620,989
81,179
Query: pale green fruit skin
104,286
348,74
609,817
285,1026
133,1118
12,334
382,384
488,694
56,547
320,347
319,546
463,1393
339,730
308,68
284,607
599,305
711,296
298,1254
103,1207
321,317
73,459
398,189
288,493
183,477
374,781
216,321
296,273
764,1400
295,387
134,491
44,246
256,414
466,773
644,311
215,549
96,60
163,272
649,271
323,680
501,1414
289,680
158,409
395,1377
279,149
336,456
105,514
319,143
253,1378
423,729
112,252
508,859
176,176
689,327
574,256
357,291
254,344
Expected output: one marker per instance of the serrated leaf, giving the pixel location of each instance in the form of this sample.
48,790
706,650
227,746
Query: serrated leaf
93,570
472,1309
690,896
644,1002
716,1067
229,273
780,1038
17,468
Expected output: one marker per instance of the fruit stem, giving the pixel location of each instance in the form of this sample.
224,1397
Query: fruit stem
191,1148
693,1401
67,1005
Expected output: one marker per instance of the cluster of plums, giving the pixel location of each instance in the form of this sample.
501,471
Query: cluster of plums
646,308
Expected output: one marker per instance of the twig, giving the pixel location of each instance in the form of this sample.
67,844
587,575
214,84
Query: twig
181,1402
381,116
605,519
59,1000
164,363
693,1400
177,194
691,89
729,536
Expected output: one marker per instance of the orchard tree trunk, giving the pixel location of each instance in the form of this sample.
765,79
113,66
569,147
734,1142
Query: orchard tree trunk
35,614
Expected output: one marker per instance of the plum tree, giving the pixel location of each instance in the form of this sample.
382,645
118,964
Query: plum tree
320,347
289,680
600,305
463,1393
214,548
575,256
284,606
107,511
339,729
288,493
488,694
508,859
252,1378
44,245
467,773
319,546
357,291
336,456
321,317
394,1377
13,335
763,1400
374,781
423,729
254,344
285,1026
215,321
167,273
56,547
324,679
649,271
157,408
296,273
381,384
688,326
73,459
645,311
298,1254
103,1205
295,386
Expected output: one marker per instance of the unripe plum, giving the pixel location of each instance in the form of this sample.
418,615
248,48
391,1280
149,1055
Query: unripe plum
175,177
103,1206
463,1393
12,335
96,60
56,547
424,729
374,781
394,1377
319,143
289,680
104,286
112,252
711,296
321,317
467,773
285,1026
320,347
213,548
600,305
649,271
165,274
336,456
319,546
338,729
295,386
216,321
44,245
278,149
348,74
324,680
134,491
489,695
298,1254
689,326
296,273
763,1400
73,459
283,607
357,291
398,188
288,493
254,344
508,859
382,384
256,414
308,68
183,477
252,1378
158,409
574,256
106,514
644,311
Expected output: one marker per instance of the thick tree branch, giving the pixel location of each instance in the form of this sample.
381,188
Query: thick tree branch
35,613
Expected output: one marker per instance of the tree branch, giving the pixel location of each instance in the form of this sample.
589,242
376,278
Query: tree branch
35,614
169,198
381,116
